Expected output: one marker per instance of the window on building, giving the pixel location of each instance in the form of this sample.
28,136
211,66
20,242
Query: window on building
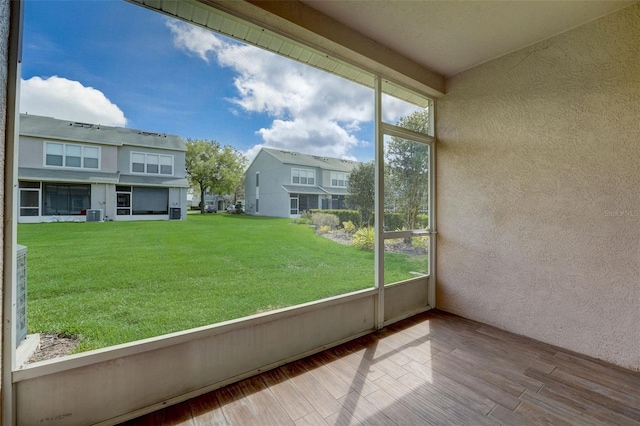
55,154
149,201
137,162
71,155
303,177
166,165
152,164
29,198
258,192
91,157
65,199
339,179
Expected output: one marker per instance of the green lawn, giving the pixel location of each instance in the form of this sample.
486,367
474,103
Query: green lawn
116,282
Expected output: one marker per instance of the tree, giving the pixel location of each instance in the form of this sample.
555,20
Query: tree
407,164
361,190
220,169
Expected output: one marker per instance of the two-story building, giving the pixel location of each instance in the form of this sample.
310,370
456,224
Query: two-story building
71,171
285,183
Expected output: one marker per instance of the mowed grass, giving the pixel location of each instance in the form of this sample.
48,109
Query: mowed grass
116,282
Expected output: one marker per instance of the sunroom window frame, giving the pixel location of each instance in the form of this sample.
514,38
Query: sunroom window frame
9,372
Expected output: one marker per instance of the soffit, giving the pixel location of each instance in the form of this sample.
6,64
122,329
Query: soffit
451,36
253,25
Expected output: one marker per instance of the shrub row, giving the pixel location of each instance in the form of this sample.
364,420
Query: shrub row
322,220
342,215
392,220
395,221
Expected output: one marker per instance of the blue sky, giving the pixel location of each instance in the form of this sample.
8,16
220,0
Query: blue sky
116,63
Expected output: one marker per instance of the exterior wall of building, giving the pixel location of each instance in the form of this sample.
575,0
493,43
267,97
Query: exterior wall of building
99,197
538,200
113,159
31,152
274,200
108,158
178,199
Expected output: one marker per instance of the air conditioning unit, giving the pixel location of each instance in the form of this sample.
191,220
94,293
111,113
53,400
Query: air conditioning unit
175,213
94,215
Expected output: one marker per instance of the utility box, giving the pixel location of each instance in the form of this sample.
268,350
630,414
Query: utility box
94,215
175,213
21,295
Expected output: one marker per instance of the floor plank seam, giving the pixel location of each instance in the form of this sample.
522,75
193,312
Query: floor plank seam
433,368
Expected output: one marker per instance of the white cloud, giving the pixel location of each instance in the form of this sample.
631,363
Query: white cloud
68,100
194,39
313,111
317,137
252,152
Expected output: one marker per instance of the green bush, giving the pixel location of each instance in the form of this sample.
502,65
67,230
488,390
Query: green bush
423,220
324,229
342,215
348,226
301,221
324,219
422,242
365,238
393,221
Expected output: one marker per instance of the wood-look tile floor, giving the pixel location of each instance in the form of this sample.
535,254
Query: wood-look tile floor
435,368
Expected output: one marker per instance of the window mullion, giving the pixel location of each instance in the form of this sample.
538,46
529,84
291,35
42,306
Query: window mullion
379,203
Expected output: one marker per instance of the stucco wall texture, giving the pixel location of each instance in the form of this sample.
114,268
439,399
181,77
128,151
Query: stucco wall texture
4,62
538,194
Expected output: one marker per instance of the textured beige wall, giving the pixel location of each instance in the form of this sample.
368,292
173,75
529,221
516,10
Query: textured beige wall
539,191
4,52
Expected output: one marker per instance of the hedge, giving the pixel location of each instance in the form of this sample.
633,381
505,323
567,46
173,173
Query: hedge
393,221
343,215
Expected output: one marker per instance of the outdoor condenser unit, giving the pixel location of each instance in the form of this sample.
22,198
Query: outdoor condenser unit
94,215
21,295
175,213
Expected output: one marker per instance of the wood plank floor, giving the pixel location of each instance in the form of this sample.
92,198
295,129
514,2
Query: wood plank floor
435,368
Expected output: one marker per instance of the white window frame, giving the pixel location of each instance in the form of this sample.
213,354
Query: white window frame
146,163
65,146
297,209
37,190
11,377
309,174
337,177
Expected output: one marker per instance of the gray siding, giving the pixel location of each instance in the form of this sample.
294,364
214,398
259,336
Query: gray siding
115,163
31,153
275,180
274,201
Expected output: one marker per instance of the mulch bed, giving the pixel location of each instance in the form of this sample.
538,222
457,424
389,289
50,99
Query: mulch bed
53,346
